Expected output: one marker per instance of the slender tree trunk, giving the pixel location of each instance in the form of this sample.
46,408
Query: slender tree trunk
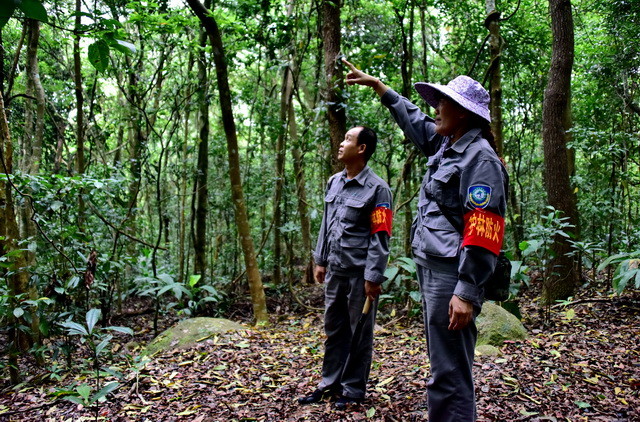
303,209
242,221
16,274
563,277
77,73
34,156
406,70
492,22
336,114
182,183
202,192
285,104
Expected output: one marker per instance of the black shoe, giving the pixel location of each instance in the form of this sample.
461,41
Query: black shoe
315,397
344,402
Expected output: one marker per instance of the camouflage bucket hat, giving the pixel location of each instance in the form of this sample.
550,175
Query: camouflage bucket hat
464,90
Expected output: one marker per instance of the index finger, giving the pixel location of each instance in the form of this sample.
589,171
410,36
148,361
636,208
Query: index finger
351,66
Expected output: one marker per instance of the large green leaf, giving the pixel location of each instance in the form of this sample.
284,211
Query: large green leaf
6,11
99,55
105,390
92,319
75,329
33,9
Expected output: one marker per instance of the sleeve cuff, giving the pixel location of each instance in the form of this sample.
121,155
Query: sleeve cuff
468,291
374,277
319,261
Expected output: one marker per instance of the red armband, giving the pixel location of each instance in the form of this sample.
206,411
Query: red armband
483,228
381,219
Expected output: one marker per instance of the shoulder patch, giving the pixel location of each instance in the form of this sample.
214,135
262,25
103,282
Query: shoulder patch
479,195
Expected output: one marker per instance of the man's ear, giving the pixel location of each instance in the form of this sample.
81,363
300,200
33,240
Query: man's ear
362,148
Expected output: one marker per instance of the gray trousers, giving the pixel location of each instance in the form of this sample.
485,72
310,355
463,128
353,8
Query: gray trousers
343,371
450,391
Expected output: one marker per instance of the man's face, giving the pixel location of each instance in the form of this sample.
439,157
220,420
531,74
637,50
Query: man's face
349,150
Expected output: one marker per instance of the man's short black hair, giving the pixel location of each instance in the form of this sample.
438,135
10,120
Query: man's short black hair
368,137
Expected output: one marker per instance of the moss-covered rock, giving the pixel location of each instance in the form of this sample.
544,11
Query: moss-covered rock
488,350
189,332
496,324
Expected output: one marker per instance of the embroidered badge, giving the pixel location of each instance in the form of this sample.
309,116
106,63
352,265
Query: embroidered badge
483,228
479,195
381,218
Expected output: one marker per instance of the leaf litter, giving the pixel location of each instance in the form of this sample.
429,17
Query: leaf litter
583,367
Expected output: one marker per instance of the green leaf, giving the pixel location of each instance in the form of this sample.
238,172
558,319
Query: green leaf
124,47
18,312
371,412
56,205
125,330
99,55
33,9
76,400
92,318
582,405
416,296
6,11
84,391
108,388
193,280
75,329
391,272
103,344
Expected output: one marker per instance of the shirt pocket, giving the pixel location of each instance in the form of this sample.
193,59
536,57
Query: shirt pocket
442,188
354,250
355,215
438,237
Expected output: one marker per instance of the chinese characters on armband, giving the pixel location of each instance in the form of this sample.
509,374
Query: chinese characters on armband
381,218
483,228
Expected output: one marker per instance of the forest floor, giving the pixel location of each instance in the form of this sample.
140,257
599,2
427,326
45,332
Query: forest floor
583,366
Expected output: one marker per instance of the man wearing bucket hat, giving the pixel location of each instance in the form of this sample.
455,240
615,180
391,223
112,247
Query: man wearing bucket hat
458,231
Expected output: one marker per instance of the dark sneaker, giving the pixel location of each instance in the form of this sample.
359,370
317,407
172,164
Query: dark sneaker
345,402
315,397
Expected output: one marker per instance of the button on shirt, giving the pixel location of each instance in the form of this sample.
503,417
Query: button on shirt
454,173
345,243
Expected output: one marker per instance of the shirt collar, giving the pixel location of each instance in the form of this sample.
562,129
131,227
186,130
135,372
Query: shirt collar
361,178
461,144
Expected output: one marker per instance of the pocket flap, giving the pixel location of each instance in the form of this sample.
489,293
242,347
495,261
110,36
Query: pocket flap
438,222
443,174
330,197
360,242
354,203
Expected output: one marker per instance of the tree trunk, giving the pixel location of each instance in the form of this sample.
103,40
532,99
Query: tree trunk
182,183
492,22
77,73
556,113
33,155
202,192
16,274
334,79
242,221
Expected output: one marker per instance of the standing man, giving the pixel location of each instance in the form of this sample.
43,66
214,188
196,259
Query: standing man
351,257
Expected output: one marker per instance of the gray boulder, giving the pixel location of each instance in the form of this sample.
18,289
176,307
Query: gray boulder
496,324
189,332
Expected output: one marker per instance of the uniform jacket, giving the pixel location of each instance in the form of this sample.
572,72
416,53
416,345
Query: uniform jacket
460,179
345,242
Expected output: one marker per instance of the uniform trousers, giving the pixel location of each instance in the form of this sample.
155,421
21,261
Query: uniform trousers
450,390
342,371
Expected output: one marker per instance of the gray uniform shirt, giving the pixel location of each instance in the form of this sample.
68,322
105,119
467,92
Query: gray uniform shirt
459,179
345,243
